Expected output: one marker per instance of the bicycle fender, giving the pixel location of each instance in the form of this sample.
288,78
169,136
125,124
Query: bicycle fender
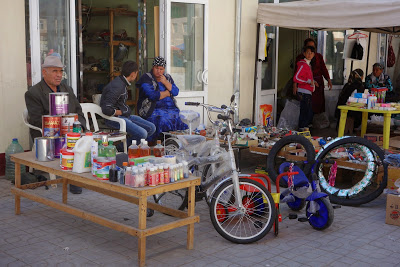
316,195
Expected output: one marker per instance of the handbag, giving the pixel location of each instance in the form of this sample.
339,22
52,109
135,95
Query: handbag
391,59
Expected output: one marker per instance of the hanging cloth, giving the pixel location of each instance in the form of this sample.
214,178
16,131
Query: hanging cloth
262,43
358,51
391,59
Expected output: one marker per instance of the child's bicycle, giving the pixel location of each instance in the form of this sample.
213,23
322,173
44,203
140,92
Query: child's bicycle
241,209
302,192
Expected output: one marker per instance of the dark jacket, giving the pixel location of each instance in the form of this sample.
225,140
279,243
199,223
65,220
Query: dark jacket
114,97
37,103
349,88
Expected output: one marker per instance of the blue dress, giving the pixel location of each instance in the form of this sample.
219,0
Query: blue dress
166,114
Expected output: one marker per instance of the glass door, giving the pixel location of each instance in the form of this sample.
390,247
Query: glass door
184,44
52,32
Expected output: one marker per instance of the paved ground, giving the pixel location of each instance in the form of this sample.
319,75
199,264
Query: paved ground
42,236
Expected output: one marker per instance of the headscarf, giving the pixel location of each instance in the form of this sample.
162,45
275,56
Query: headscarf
159,61
381,78
356,75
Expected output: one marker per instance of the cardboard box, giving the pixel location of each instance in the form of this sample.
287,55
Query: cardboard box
393,209
393,175
375,138
394,142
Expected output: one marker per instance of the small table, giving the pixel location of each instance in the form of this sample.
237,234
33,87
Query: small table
136,196
387,114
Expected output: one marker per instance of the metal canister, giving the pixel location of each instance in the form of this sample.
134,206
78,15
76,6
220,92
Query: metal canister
58,103
58,145
67,122
51,126
44,148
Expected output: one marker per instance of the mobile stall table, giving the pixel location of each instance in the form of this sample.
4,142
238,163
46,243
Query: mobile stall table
136,196
387,114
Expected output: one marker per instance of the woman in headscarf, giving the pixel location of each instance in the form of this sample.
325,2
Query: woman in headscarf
156,101
354,84
378,78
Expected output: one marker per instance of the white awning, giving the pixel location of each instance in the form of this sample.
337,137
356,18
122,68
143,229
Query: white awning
368,15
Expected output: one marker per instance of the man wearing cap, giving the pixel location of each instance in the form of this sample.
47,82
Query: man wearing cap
37,98
156,101
113,103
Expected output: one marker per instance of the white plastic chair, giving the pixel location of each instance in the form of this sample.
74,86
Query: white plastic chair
25,117
94,109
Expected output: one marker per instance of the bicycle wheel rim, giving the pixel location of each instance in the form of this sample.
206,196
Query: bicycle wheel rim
366,189
243,227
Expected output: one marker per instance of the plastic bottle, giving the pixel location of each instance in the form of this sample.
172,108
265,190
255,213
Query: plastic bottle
152,177
172,173
94,151
180,166
157,175
158,150
112,153
185,170
166,173
133,152
77,127
128,174
144,149
140,177
83,154
134,180
103,162
121,177
13,148
160,174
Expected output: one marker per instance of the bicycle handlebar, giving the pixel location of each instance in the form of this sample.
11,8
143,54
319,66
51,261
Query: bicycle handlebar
192,103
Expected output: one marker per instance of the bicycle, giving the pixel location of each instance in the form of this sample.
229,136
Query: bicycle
241,208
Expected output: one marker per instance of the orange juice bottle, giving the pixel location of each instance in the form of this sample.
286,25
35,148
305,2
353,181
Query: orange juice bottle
133,152
144,149
158,150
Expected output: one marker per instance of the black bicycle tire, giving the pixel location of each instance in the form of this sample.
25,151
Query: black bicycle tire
261,234
307,145
331,213
372,146
182,205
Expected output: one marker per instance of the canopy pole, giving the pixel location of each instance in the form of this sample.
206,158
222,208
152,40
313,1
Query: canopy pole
236,77
369,46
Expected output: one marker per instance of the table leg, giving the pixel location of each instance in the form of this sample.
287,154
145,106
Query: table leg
190,227
65,191
17,185
364,123
386,130
342,122
142,226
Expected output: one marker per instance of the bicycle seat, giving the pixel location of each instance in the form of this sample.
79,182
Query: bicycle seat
299,180
191,140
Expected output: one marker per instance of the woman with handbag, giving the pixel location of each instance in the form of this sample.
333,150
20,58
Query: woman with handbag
156,101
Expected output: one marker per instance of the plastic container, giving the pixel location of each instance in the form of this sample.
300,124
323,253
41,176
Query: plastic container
171,173
133,152
185,170
94,151
166,173
152,178
83,154
158,150
13,148
121,174
72,138
128,176
66,160
145,150
180,166
161,174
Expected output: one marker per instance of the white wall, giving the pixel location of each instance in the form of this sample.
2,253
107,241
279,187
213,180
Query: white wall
13,82
222,50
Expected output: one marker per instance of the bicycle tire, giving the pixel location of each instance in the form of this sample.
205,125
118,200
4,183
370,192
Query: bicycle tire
325,214
262,217
359,198
298,139
172,199
297,205
171,145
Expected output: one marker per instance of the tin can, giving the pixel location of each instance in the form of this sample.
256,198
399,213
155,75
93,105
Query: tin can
67,122
66,160
58,145
72,138
51,126
44,149
58,103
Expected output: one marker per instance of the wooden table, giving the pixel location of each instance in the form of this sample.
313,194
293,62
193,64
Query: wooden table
136,196
387,114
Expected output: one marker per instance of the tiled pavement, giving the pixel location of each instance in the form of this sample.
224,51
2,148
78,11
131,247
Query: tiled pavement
42,236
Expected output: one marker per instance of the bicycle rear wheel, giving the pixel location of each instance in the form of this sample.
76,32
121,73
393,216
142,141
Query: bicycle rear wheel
361,175
248,225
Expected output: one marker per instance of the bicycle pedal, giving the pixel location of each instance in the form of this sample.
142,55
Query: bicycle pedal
292,216
336,206
302,219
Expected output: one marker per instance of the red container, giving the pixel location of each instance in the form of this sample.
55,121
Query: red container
67,122
51,126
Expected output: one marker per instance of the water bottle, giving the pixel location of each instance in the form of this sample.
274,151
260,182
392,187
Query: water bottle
14,147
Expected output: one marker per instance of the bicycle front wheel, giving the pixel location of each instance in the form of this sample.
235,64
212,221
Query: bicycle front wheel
247,225
323,217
